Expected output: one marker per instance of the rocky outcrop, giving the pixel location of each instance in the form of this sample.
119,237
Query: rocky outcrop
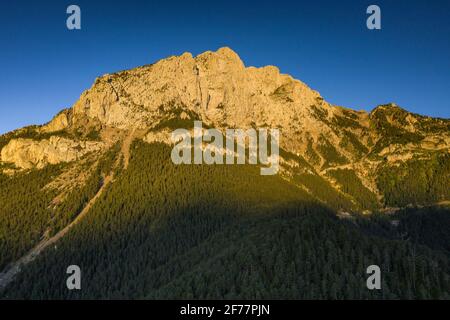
28,153
163,136
60,122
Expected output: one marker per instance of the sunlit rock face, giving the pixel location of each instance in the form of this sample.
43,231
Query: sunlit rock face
216,86
28,153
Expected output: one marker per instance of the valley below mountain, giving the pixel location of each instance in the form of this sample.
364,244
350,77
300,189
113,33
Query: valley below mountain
96,187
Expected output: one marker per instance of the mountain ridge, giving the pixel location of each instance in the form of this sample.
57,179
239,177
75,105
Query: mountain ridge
218,89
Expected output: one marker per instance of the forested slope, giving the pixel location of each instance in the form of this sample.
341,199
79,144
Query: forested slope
166,231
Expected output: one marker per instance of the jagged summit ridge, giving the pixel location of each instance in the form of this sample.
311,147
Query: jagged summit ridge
216,85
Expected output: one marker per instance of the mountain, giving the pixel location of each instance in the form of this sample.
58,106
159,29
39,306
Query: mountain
96,186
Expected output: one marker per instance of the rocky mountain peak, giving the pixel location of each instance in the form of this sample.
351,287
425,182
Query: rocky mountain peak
216,85
218,89
222,58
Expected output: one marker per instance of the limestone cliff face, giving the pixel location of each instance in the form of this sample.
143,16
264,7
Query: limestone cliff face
28,153
216,86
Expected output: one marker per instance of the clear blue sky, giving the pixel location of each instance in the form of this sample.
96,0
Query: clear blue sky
44,67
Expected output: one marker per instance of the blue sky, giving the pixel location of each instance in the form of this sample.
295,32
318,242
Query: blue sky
45,67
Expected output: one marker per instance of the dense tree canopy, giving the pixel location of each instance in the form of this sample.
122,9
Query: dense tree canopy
199,231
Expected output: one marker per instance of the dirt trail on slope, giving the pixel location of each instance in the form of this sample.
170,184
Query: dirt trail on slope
125,150
9,274
126,145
